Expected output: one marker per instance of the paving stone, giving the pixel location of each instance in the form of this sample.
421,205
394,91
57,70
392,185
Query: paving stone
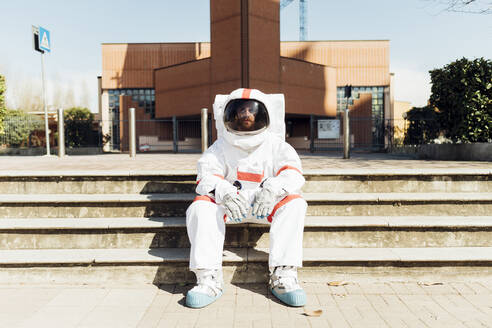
58,316
160,162
376,288
438,289
393,311
154,312
177,319
243,324
483,303
113,316
478,288
128,298
429,312
88,306
78,297
414,288
459,308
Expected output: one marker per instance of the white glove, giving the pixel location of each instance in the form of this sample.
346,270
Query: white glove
264,202
235,206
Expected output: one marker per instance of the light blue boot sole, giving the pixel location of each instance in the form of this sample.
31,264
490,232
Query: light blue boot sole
295,298
196,300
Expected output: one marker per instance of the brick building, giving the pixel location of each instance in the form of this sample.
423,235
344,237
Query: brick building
163,80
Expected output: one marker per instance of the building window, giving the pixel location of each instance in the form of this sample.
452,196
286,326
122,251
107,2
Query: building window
144,97
377,113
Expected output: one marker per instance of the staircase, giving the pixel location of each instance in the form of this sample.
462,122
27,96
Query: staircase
129,227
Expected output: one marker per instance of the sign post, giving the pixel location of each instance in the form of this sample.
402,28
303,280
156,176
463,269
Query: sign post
42,44
346,126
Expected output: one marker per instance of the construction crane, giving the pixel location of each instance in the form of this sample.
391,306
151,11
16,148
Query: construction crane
302,16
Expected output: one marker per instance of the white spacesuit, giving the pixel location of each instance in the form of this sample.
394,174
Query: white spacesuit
250,174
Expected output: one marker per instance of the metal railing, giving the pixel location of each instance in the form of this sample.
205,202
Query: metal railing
157,135
25,135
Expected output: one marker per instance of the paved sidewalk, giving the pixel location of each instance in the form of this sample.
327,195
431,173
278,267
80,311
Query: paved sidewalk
159,162
392,304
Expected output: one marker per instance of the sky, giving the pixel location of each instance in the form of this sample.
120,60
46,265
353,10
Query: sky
423,36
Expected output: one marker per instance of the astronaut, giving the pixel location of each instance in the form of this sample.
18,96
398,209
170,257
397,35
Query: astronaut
250,174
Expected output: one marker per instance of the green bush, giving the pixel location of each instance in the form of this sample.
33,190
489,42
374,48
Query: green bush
78,126
462,92
18,127
423,126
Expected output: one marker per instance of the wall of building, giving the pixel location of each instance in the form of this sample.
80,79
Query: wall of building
361,121
245,51
306,87
364,63
361,63
182,90
131,65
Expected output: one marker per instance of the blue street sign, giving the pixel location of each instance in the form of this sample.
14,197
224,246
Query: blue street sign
44,39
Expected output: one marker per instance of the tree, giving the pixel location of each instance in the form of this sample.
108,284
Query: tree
466,6
19,127
27,96
462,93
423,126
78,126
3,109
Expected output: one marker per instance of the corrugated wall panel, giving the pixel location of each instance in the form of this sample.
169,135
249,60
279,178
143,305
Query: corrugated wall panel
132,65
357,62
178,94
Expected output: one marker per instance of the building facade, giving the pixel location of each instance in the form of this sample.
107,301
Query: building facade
168,80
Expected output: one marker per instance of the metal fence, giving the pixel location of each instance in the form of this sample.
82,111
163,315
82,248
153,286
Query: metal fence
22,132
156,135
26,135
366,134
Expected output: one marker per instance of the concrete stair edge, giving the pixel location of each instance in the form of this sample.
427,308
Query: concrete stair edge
310,172
241,255
17,224
185,197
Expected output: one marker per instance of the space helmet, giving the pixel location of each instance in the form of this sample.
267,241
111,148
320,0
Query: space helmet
246,116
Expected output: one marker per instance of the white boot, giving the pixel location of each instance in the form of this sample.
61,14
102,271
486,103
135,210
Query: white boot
285,287
207,290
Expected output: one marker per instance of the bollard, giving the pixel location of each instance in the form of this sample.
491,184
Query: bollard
209,124
204,129
175,134
346,134
61,133
131,132
311,133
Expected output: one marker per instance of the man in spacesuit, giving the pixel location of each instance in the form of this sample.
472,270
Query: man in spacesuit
250,174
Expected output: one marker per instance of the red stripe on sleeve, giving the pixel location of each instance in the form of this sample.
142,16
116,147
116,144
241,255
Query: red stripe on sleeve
284,201
288,167
246,93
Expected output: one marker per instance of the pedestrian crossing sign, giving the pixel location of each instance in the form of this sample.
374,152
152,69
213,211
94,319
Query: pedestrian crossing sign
44,39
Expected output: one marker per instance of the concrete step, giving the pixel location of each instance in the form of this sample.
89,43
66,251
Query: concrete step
96,182
175,204
399,180
170,265
322,231
356,180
